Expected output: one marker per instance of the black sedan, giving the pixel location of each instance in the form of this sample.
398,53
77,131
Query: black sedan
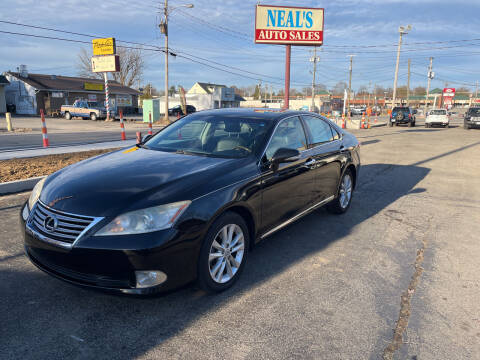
190,202
177,110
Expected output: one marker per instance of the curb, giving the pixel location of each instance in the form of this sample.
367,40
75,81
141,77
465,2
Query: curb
12,187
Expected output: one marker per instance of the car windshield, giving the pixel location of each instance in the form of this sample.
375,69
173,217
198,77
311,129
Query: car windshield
438,112
474,111
212,135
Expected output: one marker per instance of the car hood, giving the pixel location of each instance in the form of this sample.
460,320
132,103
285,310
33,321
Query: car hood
132,178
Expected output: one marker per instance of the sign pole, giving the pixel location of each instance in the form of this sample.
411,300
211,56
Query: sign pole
288,52
107,97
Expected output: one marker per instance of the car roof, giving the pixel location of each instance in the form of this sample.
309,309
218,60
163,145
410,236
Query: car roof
254,113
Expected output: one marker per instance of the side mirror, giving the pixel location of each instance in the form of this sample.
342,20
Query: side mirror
145,138
284,155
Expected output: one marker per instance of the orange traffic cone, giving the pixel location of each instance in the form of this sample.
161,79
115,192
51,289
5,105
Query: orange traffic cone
362,122
343,122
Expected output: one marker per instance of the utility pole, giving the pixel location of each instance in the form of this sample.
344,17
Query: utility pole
408,83
314,60
164,30
430,77
476,89
402,30
349,86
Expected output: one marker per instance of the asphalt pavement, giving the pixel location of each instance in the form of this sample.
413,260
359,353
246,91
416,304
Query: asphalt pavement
326,287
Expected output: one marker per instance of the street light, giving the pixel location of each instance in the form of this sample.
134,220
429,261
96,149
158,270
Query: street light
402,30
164,29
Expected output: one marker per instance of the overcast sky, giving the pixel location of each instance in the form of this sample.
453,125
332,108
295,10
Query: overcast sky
353,23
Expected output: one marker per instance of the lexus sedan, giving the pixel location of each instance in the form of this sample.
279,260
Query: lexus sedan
190,202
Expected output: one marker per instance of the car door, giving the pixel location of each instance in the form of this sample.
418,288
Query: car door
327,151
287,190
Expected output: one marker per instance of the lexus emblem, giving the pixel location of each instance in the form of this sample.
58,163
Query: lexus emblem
50,223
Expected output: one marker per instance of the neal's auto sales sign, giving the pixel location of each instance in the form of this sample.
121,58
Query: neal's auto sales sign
288,25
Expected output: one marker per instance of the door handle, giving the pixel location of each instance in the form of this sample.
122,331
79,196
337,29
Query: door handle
342,149
310,162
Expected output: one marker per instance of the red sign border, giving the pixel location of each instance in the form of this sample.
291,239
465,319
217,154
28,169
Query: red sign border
288,7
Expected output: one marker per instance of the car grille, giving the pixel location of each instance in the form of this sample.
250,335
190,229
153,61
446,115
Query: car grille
68,226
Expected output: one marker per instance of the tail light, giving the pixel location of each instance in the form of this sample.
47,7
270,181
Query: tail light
409,116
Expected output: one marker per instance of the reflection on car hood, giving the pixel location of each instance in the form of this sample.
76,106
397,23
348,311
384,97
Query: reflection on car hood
116,181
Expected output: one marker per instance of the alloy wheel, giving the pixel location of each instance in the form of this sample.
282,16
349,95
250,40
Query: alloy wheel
345,191
226,253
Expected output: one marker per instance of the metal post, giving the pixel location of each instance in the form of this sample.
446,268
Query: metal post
107,96
314,60
396,70
428,84
349,86
408,83
165,11
288,52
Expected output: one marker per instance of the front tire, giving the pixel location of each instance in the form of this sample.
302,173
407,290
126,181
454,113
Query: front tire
224,253
342,202
93,116
68,116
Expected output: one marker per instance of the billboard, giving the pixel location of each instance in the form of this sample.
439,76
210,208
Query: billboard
288,25
104,46
108,63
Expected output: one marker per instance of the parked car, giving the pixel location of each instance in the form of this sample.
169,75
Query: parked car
177,110
472,118
84,109
190,202
357,110
402,115
437,117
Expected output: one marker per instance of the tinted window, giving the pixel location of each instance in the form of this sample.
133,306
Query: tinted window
438,112
401,108
319,129
288,134
212,135
474,111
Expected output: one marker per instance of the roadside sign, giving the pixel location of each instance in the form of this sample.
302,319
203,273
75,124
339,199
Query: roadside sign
288,25
104,46
108,63
448,92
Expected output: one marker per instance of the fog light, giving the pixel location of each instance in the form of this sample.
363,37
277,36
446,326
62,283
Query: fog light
147,279
25,212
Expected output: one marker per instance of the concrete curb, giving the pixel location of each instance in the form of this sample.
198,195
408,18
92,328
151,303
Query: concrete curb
11,187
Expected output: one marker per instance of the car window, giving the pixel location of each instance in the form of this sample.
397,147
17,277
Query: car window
438,112
320,131
474,111
288,134
212,135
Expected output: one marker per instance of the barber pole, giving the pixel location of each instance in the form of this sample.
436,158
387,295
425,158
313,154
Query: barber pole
107,97
150,124
44,130
122,125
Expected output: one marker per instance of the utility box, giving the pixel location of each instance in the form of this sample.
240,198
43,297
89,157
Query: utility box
151,106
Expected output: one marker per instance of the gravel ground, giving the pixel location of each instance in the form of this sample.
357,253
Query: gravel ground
327,287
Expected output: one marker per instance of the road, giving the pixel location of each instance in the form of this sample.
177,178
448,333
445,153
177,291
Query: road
326,287
34,141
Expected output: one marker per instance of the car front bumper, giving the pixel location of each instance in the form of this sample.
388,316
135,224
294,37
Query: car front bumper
100,263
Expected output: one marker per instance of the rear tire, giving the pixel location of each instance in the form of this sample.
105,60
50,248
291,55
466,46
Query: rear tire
221,260
68,116
341,203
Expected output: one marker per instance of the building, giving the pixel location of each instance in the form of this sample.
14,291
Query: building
32,92
200,88
3,102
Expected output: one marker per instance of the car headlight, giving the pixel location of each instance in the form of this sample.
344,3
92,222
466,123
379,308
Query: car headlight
145,220
37,190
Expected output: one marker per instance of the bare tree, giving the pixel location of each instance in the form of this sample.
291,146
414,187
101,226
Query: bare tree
132,66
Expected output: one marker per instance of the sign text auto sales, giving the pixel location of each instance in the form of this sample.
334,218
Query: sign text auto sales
288,25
